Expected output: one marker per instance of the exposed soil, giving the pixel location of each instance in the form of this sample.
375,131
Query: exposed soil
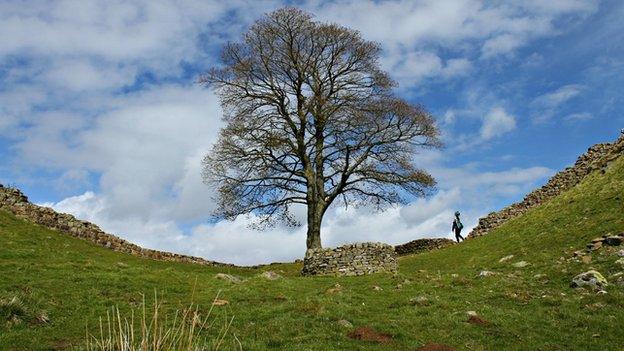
368,334
476,320
435,347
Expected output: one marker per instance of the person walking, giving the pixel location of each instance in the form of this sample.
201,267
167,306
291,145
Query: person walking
457,227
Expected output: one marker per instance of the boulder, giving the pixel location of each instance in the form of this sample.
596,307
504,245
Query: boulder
270,275
591,278
228,277
613,240
520,264
506,258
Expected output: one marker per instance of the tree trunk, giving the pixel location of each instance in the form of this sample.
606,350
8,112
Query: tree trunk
315,216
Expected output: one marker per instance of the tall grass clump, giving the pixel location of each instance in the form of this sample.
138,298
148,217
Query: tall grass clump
187,329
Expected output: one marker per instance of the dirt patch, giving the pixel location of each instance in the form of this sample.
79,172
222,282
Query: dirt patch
368,334
435,347
476,320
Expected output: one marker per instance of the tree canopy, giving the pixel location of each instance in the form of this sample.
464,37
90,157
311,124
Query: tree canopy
311,118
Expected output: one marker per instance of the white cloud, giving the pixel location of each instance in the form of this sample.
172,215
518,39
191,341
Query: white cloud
496,123
580,116
557,97
547,105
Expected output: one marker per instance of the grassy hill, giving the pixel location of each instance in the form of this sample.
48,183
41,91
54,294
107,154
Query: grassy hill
530,308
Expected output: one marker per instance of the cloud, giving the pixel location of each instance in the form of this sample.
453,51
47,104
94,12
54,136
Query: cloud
557,97
549,104
496,123
580,116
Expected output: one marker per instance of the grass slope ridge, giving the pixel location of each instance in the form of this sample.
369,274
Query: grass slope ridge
530,308
14,201
596,158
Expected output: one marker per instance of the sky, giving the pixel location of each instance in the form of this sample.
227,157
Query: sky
101,115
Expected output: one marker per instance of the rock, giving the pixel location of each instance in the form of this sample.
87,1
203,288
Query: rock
520,264
591,278
471,313
345,323
506,258
578,253
594,246
613,240
596,240
336,289
377,288
270,275
420,300
486,274
228,277
620,253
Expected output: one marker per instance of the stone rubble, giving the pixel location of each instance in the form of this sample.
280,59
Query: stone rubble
597,157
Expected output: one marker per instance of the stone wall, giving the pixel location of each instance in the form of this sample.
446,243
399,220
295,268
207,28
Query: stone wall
14,201
421,245
596,158
353,259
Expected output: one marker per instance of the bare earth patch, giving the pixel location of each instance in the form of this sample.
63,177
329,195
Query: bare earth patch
435,347
368,334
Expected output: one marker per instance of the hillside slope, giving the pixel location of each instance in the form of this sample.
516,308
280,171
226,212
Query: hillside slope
529,308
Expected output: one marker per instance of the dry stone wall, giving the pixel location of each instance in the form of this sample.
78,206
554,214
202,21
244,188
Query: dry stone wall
422,245
353,259
596,158
12,200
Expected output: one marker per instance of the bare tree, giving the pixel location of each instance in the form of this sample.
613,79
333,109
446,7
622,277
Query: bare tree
310,118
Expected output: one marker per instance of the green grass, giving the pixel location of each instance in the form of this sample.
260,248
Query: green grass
75,282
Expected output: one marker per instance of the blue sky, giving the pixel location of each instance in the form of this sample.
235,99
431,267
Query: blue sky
100,115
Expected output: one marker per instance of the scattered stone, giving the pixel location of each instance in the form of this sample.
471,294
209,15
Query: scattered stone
578,253
377,288
336,289
620,253
613,240
591,278
219,302
122,265
506,258
228,277
369,334
420,301
540,276
345,323
520,264
597,240
486,274
601,292
471,313
270,275
435,347
594,246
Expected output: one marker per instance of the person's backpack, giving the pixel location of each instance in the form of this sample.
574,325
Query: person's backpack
459,224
